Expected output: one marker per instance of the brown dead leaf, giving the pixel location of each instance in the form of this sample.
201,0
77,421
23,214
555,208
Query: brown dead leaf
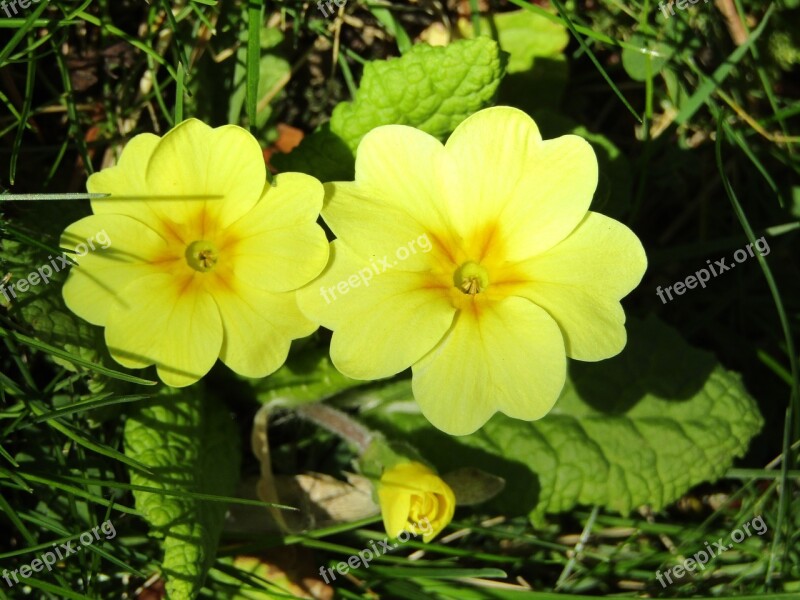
320,499
288,139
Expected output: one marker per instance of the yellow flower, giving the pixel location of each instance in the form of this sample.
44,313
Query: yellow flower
477,263
413,498
205,255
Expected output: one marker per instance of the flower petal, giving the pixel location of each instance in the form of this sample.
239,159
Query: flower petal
126,183
195,160
398,196
259,327
176,327
395,506
491,150
580,282
387,320
278,246
133,250
526,194
507,356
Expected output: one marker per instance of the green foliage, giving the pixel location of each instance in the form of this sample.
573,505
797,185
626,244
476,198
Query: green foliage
191,445
431,88
42,310
322,154
537,69
647,60
784,42
307,376
524,35
639,429
83,77
218,88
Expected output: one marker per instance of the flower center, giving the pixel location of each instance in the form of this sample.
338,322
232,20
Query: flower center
471,278
202,256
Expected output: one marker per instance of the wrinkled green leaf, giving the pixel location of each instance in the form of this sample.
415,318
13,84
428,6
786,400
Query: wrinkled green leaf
41,308
537,68
191,444
431,88
639,429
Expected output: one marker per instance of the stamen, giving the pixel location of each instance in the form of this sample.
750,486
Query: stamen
471,278
202,256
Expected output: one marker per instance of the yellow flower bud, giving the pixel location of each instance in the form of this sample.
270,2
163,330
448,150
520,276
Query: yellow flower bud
414,498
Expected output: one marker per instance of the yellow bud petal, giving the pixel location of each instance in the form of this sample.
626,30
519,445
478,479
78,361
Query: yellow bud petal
413,498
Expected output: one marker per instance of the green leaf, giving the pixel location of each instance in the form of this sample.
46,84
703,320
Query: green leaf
431,88
639,429
322,154
646,62
537,69
271,69
307,376
541,87
256,64
191,444
41,308
526,36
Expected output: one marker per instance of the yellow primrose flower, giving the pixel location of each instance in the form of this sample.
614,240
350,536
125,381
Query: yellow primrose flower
413,498
476,263
205,255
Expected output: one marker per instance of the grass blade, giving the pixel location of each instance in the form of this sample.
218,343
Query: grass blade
254,16
52,350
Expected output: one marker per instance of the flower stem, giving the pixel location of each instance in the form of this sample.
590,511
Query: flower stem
337,422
